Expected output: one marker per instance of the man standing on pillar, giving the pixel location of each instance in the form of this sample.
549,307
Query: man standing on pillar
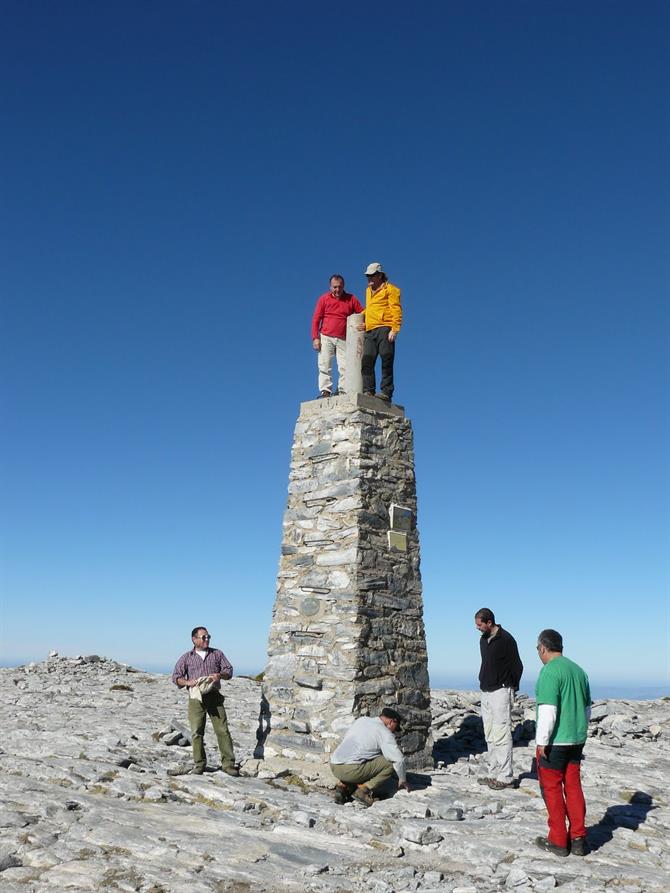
201,671
383,318
563,702
329,332
499,678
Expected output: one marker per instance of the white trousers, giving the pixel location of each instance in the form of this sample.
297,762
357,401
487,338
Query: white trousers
497,719
331,347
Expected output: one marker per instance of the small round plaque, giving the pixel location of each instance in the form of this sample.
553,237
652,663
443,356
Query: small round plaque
309,607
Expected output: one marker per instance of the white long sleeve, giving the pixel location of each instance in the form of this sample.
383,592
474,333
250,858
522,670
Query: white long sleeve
546,720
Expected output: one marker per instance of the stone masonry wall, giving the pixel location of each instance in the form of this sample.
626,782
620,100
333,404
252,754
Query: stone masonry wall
347,635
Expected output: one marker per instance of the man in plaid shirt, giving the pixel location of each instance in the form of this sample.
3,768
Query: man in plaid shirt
201,670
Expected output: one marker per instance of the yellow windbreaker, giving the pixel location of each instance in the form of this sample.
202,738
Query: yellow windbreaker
383,308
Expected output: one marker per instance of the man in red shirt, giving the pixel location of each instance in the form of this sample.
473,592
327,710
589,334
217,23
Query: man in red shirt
329,332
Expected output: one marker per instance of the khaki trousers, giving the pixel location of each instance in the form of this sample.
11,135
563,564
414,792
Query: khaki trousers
372,773
331,347
212,706
497,719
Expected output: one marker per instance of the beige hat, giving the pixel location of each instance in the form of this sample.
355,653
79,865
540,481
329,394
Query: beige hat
373,268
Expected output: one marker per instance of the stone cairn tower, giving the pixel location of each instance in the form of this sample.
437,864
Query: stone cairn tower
347,635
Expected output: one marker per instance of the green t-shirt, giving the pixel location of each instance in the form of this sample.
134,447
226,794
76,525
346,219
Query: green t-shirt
565,686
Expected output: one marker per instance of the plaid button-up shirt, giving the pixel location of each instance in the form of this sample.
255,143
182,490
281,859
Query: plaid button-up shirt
192,666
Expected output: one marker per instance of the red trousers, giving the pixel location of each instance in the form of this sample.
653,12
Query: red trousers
561,786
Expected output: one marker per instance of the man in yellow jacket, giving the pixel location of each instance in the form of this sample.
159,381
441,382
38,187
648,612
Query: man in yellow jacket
383,318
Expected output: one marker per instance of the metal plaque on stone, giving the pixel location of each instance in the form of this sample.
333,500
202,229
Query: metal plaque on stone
401,517
310,607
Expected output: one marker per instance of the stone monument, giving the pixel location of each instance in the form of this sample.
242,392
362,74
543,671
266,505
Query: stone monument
347,635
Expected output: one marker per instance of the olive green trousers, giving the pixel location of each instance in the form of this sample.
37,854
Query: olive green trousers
372,773
212,706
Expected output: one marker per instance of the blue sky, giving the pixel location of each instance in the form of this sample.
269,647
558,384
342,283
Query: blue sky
179,181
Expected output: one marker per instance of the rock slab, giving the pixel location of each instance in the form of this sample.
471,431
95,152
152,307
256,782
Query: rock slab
89,801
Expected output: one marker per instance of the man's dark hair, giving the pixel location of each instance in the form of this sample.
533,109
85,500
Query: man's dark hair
195,630
389,713
337,276
485,615
551,640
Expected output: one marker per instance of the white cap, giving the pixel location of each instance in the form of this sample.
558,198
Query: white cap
373,268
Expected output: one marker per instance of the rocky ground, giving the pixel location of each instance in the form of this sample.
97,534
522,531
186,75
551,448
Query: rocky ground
94,799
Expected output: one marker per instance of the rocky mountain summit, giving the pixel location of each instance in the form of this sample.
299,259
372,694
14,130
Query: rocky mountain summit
96,796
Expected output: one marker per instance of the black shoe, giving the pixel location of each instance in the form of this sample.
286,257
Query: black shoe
324,394
342,796
579,846
545,844
343,793
384,397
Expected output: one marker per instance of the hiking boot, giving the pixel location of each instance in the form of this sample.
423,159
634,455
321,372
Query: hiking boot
496,785
384,397
545,844
364,796
579,846
484,779
342,793
368,393
197,770
231,770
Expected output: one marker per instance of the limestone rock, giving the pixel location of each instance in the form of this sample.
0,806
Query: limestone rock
87,802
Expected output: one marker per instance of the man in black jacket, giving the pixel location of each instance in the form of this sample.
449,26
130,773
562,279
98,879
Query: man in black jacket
499,678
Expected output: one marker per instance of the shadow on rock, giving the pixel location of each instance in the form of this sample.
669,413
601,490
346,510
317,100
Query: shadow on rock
418,781
263,730
468,739
532,773
625,815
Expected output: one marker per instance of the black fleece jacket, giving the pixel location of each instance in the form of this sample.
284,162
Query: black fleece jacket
501,664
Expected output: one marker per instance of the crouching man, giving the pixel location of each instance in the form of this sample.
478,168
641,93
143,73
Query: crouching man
368,757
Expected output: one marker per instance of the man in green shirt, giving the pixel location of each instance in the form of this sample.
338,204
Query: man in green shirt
563,710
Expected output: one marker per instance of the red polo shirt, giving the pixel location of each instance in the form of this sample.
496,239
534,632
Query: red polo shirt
330,315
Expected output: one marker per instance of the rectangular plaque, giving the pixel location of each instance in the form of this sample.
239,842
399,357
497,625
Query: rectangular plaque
397,540
401,517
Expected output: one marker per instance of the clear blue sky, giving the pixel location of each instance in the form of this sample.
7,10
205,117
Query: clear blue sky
178,182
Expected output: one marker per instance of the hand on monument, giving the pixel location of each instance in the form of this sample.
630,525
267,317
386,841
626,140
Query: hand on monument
392,336
316,344
404,785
